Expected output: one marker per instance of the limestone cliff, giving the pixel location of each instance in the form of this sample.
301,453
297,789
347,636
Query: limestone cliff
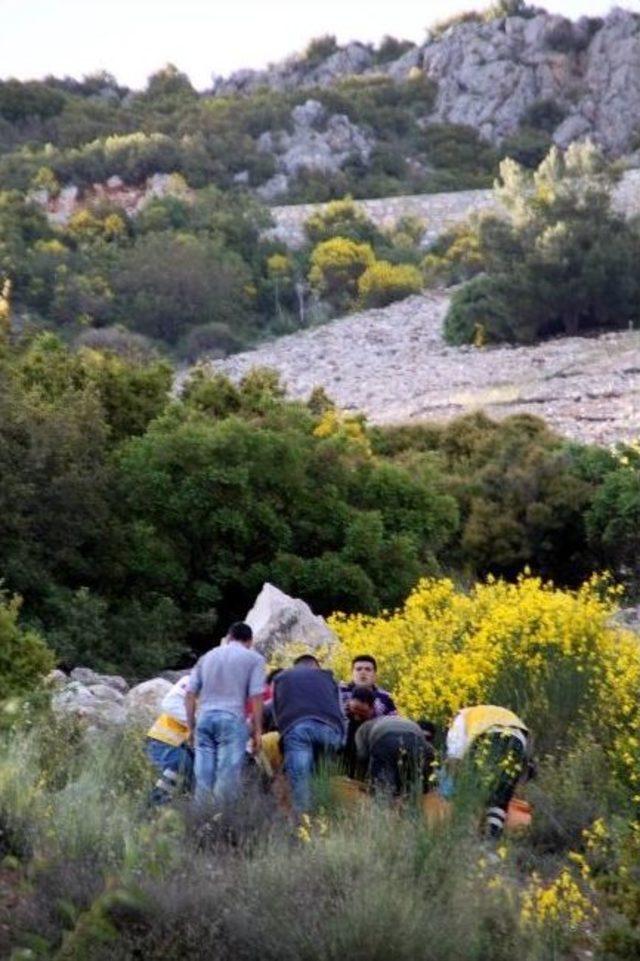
491,72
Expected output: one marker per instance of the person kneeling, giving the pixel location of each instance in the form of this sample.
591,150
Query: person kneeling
393,750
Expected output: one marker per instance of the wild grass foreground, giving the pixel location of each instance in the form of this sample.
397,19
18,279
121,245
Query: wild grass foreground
89,872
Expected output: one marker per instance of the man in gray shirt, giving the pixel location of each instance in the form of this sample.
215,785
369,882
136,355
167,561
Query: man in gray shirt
223,680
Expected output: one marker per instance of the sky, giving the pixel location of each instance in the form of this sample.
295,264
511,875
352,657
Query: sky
133,38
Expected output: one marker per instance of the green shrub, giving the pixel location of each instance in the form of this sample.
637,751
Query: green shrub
544,115
383,283
613,520
560,261
478,309
320,48
24,657
391,48
528,147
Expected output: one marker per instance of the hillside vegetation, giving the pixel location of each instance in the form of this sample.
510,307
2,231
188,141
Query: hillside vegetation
133,525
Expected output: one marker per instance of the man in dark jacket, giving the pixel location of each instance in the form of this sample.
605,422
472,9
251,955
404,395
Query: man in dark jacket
307,711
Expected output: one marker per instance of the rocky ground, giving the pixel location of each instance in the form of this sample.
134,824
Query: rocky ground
393,365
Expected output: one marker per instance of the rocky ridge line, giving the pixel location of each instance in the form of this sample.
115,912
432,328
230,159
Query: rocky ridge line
489,73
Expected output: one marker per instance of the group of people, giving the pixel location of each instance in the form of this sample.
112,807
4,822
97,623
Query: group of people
228,713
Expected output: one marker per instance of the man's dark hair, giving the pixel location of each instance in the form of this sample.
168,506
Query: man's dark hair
272,675
240,632
363,694
307,659
368,658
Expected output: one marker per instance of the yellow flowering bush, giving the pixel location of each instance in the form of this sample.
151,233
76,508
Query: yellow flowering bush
382,283
336,266
549,654
560,904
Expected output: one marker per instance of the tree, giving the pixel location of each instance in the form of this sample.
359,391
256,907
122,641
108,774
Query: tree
170,282
561,262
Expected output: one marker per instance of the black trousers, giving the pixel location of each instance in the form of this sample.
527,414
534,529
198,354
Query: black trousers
398,764
500,760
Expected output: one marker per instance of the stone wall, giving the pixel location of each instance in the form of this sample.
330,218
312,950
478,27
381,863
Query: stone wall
438,211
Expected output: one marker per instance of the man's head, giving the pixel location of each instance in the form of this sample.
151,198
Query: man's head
306,660
240,632
361,704
363,670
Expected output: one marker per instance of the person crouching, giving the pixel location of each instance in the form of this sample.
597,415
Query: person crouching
394,751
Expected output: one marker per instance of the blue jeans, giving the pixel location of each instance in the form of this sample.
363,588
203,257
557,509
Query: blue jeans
174,766
302,745
221,739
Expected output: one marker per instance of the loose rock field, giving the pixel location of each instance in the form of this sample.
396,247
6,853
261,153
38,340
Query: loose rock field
393,365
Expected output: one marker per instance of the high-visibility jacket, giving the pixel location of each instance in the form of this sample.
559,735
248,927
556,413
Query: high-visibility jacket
471,722
168,730
171,727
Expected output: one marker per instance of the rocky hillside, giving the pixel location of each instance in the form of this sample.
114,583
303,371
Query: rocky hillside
490,72
394,365
396,119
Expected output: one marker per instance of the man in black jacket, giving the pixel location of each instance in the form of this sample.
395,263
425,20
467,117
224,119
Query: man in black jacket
307,710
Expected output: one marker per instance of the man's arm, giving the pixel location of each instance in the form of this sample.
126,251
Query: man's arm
257,683
193,689
256,714
190,705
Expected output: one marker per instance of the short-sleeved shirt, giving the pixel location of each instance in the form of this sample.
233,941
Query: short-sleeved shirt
226,676
383,704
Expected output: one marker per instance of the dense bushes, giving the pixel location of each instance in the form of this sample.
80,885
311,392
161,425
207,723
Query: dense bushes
126,517
133,524
182,264
355,263
24,656
561,262
85,132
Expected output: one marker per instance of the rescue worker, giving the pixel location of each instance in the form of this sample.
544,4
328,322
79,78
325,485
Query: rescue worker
167,745
496,742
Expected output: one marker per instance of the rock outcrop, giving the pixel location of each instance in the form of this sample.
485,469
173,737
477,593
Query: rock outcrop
278,620
318,142
489,73
298,72
105,701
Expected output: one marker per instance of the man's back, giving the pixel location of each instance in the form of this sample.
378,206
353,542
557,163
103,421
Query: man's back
372,731
306,693
226,676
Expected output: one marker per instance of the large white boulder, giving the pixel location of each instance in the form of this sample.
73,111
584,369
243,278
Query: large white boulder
99,706
88,677
142,702
278,620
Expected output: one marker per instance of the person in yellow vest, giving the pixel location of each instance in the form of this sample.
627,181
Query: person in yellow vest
496,741
167,745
